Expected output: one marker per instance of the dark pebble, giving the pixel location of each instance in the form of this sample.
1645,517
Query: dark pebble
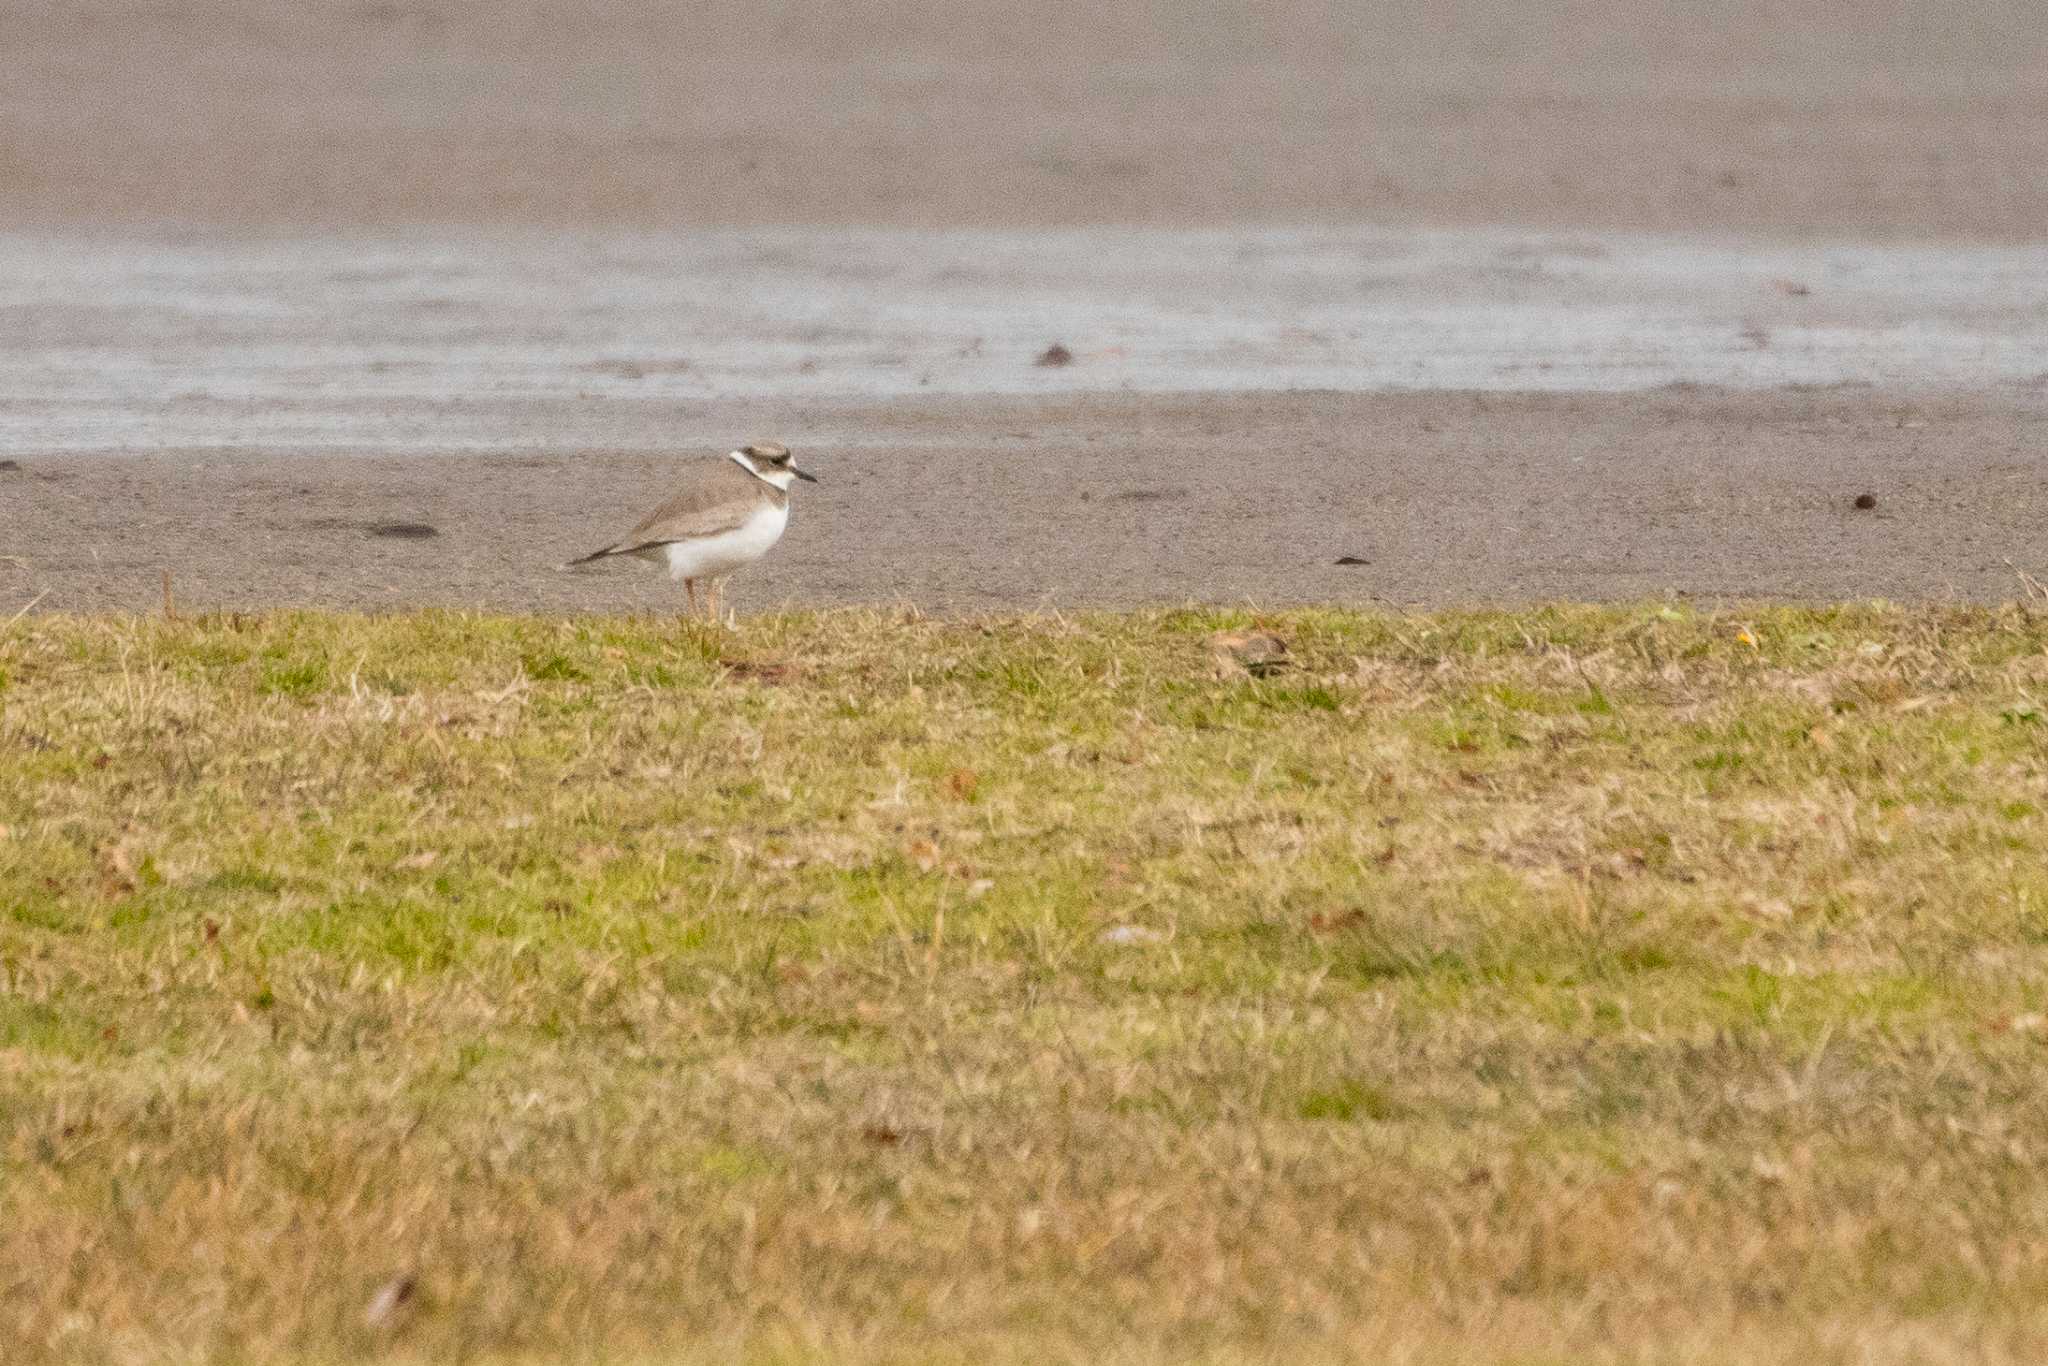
1055,354
9,466
1351,559
404,531
1866,501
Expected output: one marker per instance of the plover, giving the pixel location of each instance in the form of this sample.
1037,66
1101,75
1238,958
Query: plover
727,514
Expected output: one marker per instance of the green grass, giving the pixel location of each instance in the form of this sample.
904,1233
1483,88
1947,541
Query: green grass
1573,985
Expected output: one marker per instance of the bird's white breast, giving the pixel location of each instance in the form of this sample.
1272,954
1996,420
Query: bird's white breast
707,557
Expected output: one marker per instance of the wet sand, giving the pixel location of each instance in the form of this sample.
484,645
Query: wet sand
965,504
417,342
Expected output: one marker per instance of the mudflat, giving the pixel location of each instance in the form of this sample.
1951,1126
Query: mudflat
1865,117
978,503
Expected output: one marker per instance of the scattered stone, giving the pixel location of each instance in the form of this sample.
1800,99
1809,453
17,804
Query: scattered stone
9,466
391,1297
1866,501
405,531
1351,559
1254,652
1055,355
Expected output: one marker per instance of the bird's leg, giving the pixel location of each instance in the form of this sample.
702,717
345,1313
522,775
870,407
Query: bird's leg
690,587
715,589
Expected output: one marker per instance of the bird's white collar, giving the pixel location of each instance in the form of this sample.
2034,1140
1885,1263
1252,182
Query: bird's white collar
779,480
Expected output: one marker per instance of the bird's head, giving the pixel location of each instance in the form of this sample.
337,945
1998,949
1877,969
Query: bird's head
770,460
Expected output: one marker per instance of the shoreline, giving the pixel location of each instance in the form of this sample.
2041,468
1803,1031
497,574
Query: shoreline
363,343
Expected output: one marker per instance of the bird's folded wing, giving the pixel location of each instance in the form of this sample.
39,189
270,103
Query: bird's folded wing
688,516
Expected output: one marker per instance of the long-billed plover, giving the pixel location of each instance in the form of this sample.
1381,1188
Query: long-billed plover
727,514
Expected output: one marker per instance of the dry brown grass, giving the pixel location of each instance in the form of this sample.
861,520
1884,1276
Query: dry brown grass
1585,985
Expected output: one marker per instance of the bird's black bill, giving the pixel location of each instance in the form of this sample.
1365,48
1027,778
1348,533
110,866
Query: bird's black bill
807,478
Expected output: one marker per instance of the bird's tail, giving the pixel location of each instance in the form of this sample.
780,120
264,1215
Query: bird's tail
586,559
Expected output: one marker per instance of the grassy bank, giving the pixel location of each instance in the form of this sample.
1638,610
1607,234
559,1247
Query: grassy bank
1633,985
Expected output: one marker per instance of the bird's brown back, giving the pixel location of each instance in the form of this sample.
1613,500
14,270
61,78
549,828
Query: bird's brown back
715,496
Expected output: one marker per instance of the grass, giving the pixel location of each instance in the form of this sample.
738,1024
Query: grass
1629,985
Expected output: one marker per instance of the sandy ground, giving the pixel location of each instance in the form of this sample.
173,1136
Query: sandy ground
273,276
1858,117
966,504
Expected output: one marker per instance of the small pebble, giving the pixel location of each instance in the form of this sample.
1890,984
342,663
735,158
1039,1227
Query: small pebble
1056,354
1255,652
391,1297
1866,501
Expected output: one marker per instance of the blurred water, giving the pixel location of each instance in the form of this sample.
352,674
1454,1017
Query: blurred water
419,342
